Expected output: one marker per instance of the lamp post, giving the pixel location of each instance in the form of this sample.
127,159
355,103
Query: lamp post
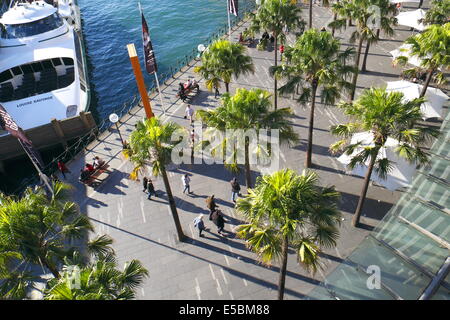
114,118
201,48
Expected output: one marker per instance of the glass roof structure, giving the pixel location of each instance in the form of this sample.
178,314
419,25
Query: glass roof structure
410,246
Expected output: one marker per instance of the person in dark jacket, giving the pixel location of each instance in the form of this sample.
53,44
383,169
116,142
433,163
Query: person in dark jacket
235,189
150,189
219,221
144,184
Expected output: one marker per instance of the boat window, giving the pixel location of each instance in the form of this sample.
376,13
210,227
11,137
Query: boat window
56,62
47,64
16,71
68,61
5,75
37,67
49,79
26,68
22,30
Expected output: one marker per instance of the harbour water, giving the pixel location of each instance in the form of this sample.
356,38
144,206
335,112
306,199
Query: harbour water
177,27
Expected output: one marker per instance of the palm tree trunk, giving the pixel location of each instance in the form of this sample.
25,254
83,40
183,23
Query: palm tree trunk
173,208
334,19
311,125
366,53
227,87
427,83
283,267
362,197
274,77
50,267
310,13
248,177
355,76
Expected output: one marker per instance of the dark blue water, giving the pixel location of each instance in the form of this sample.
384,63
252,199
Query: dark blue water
176,28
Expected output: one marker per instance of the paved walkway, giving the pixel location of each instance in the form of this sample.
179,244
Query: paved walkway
216,267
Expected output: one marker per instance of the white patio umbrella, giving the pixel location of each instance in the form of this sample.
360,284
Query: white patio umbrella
405,50
402,171
411,19
436,99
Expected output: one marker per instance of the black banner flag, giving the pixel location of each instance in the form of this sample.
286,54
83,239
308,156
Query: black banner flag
150,60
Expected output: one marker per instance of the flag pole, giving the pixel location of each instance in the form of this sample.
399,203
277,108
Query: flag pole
42,176
229,20
159,90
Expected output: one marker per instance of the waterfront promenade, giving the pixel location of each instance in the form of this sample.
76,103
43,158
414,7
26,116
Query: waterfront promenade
216,267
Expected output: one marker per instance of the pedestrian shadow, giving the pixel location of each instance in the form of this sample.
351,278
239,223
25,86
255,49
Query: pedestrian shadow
189,206
111,184
95,203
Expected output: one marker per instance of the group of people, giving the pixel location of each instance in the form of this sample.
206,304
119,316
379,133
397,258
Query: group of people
215,215
89,169
183,88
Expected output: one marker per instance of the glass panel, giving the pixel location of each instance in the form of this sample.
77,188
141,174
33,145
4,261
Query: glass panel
433,220
418,247
26,68
37,66
22,30
56,61
5,76
401,277
68,61
16,71
347,283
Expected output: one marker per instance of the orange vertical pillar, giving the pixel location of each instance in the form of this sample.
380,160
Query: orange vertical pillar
139,80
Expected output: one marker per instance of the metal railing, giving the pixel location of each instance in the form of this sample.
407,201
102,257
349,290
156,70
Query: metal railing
82,142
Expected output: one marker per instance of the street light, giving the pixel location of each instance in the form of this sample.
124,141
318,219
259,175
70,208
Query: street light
114,118
201,48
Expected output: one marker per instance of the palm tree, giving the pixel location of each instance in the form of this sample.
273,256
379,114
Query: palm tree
386,22
439,13
273,16
37,230
286,209
360,12
432,47
222,60
151,145
100,280
385,115
248,110
315,61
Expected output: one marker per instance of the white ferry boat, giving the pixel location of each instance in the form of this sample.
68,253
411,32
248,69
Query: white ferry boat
43,71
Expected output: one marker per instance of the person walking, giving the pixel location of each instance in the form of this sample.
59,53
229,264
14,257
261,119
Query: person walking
216,92
198,223
235,189
186,180
219,221
189,113
211,205
281,52
150,189
63,169
144,183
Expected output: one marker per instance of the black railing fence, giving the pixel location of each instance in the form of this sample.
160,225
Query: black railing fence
82,142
